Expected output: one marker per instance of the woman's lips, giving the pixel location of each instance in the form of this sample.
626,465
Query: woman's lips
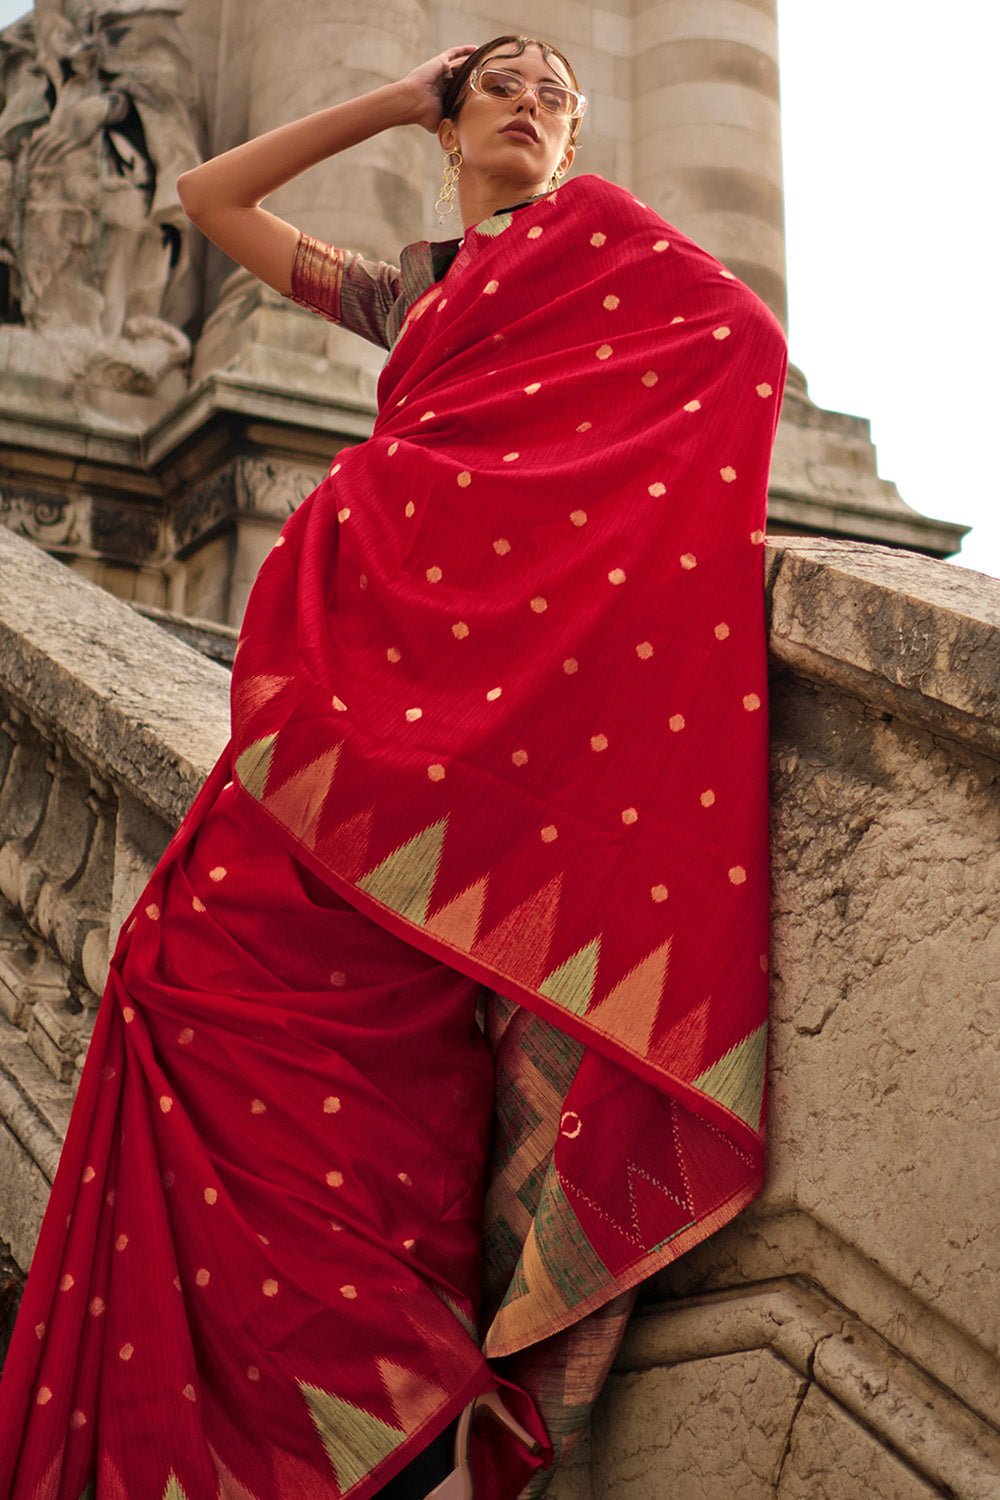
520,132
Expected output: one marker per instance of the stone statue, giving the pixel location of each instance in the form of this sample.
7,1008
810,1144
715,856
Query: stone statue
99,116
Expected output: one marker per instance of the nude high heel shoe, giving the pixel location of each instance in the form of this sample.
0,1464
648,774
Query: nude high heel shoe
458,1485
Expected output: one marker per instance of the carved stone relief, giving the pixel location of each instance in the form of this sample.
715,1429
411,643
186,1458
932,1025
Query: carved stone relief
82,523
98,116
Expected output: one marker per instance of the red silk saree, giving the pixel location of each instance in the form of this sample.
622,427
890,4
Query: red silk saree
501,695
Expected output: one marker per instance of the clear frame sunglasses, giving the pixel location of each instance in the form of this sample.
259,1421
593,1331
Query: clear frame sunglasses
497,83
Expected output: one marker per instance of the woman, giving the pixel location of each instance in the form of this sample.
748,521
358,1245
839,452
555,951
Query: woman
497,721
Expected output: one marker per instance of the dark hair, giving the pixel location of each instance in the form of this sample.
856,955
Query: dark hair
453,93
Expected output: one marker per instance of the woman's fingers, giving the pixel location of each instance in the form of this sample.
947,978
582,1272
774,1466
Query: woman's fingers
428,81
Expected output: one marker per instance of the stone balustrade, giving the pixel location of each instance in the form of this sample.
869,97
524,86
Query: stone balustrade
841,1337
107,727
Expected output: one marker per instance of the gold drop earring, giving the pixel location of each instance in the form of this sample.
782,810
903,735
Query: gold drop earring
449,182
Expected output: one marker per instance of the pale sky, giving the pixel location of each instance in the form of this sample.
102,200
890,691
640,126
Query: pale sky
890,143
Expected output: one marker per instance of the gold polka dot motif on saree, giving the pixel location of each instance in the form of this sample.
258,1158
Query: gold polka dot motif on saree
153,912
617,576
331,1105
764,390
707,798
688,561
677,722
549,833
501,546
728,474
611,302
598,742
520,757
533,388
585,426
657,489
693,406
571,666
661,245
644,650
464,479
722,631
757,538
436,772
751,703
737,875
659,893
598,239
393,654
578,517
434,575
534,231
604,351
211,1196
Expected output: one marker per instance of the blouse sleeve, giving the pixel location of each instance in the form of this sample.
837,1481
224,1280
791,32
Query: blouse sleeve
358,294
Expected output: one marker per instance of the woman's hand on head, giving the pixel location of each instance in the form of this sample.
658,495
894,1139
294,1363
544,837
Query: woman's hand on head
427,83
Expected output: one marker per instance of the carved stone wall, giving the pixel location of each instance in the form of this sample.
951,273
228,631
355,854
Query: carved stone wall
107,727
842,1337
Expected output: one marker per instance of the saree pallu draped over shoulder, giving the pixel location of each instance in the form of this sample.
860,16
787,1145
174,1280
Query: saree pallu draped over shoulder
500,694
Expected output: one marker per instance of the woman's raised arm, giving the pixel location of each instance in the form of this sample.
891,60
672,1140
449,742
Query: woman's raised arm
223,196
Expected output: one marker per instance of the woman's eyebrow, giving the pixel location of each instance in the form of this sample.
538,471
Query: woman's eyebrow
499,57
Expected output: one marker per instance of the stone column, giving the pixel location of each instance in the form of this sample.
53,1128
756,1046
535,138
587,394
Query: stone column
707,131
308,54
281,59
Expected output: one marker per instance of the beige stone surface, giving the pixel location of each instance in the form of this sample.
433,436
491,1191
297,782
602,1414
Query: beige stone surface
142,705
712,1429
832,1457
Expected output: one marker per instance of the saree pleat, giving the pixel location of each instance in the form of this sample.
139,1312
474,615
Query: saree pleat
246,1298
